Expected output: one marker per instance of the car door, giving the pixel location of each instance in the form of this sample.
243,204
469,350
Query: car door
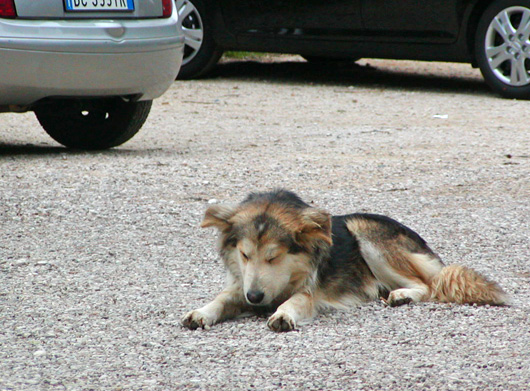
333,19
412,20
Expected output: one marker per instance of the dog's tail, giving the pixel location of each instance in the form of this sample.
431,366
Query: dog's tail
462,285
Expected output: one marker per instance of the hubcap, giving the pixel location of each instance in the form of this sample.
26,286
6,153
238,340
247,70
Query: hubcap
191,24
508,46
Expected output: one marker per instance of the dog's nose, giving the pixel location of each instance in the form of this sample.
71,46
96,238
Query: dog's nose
255,297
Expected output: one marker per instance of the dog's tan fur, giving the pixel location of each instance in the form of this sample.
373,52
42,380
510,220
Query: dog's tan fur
285,256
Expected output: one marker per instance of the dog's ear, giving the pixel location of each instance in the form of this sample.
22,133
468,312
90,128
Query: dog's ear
316,225
218,216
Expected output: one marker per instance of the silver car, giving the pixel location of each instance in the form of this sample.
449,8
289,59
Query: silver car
89,69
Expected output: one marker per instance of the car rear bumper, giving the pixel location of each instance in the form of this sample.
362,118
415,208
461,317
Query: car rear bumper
79,58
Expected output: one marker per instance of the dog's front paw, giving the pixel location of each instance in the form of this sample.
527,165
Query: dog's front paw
195,319
281,321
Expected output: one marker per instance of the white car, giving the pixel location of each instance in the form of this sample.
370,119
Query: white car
89,69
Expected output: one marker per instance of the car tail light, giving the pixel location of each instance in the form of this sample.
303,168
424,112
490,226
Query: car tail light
167,8
7,9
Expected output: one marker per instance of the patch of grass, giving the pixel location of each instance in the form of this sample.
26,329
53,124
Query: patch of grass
243,55
255,56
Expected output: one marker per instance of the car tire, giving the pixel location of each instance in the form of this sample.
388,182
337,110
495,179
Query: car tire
502,47
92,124
201,53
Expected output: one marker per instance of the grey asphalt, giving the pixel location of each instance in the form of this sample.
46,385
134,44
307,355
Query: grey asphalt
101,253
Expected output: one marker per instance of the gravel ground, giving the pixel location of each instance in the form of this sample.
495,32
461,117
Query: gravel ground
101,254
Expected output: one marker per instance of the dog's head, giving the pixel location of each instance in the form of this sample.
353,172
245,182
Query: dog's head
269,242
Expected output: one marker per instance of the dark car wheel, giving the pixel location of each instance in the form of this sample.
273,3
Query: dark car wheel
92,123
201,53
502,47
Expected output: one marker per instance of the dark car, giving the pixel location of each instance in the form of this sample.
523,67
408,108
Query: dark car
490,34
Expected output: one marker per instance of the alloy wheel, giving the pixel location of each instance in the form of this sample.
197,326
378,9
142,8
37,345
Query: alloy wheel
507,46
192,26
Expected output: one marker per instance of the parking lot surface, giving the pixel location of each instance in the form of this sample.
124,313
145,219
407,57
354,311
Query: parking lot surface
101,252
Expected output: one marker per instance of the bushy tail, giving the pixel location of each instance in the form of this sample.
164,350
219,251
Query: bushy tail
459,284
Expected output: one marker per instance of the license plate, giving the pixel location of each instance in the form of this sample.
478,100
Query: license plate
99,5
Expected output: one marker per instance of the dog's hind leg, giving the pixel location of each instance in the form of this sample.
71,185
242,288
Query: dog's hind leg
228,304
398,258
405,274
413,273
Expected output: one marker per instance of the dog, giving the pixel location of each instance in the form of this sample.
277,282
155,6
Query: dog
286,256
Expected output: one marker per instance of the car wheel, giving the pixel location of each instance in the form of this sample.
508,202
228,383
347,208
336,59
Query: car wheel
92,123
502,47
201,53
